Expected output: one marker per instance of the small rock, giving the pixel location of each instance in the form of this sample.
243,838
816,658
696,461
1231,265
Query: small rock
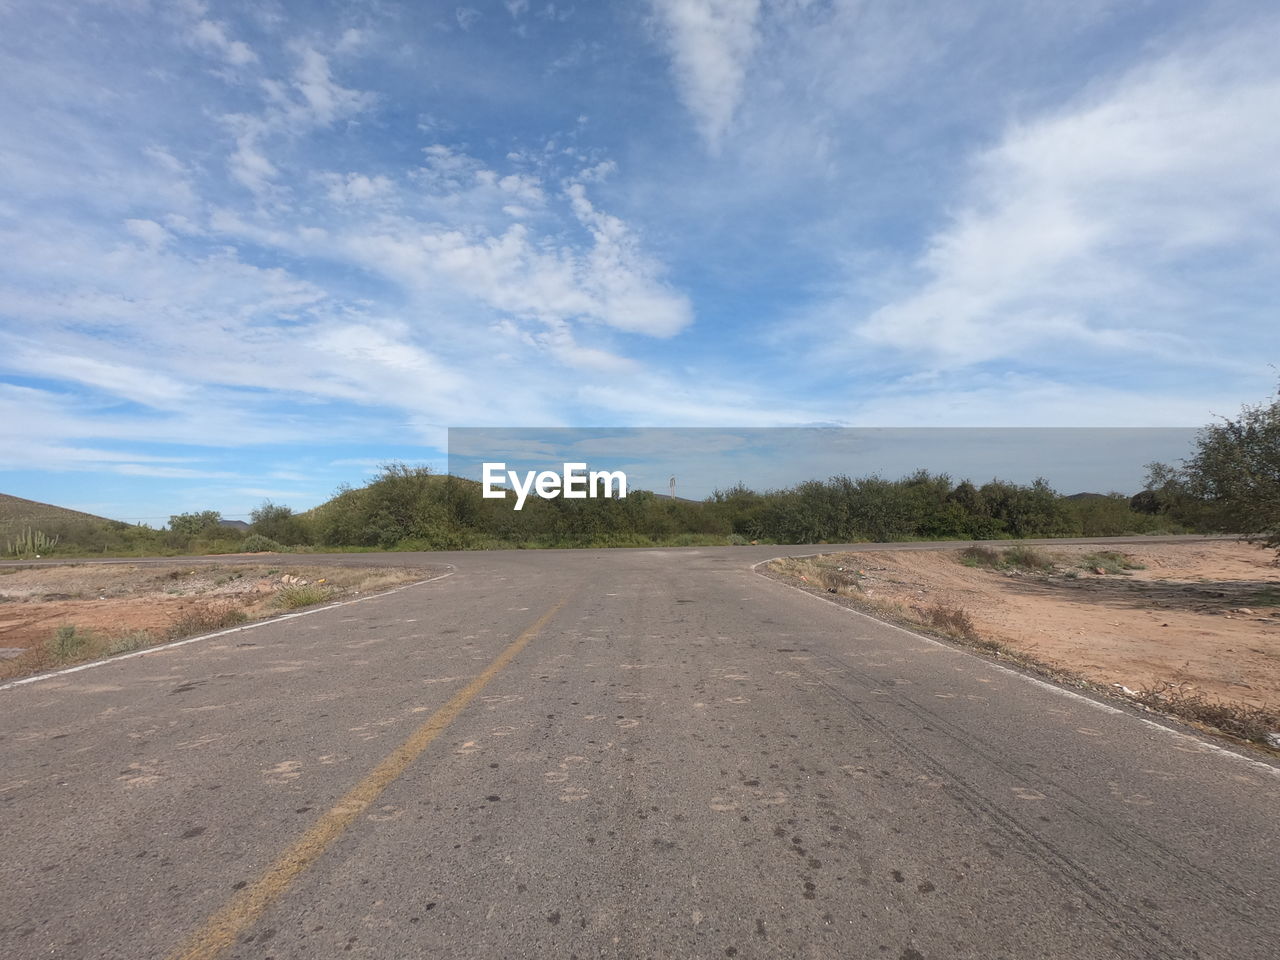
831,589
1245,610
1099,570
1273,740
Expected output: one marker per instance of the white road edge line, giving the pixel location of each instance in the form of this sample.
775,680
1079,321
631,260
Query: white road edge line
220,633
1036,681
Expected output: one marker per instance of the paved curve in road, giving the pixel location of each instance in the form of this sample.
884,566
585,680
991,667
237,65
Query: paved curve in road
631,753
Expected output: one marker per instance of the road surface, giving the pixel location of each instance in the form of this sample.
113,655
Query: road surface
632,753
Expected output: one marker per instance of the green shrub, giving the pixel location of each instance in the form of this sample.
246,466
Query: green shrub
279,524
68,641
128,642
303,595
257,543
980,557
1026,558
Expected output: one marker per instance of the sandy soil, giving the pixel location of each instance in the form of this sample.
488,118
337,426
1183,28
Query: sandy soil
113,601
1204,615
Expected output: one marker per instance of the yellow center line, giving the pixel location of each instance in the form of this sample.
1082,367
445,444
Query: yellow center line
220,931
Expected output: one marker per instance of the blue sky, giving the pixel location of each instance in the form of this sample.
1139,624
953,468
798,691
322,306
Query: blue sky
250,250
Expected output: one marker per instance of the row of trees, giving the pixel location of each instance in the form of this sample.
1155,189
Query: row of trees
409,507
1230,483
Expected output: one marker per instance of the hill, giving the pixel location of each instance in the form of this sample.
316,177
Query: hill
17,514
25,523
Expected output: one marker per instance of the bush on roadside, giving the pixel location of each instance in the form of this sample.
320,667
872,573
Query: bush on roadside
954,621
128,642
68,641
303,595
980,557
1027,558
257,543
279,524
205,620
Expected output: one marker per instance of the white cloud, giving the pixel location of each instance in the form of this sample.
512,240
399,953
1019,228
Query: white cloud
516,272
351,40
711,43
213,34
1122,222
170,473
149,232
451,244
310,100
624,280
356,187
324,100
148,387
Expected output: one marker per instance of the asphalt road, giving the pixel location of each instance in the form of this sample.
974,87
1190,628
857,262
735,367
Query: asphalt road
613,754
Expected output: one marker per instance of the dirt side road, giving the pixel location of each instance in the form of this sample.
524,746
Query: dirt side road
102,609
1203,616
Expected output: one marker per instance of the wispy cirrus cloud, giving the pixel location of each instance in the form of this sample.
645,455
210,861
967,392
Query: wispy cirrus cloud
212,34
711,43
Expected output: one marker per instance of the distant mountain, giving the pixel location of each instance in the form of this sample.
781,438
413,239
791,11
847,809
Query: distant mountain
1086,496
17,514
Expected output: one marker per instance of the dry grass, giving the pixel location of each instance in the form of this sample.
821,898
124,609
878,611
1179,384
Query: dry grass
1027,558
131,641
207,619
1235,719
980,557
830,577
1017,557
1108,561
71,644
303,595
953,621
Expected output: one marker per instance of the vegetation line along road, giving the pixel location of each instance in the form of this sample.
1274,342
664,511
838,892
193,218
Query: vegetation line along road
1230,483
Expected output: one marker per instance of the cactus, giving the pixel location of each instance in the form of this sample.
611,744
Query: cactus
31,542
